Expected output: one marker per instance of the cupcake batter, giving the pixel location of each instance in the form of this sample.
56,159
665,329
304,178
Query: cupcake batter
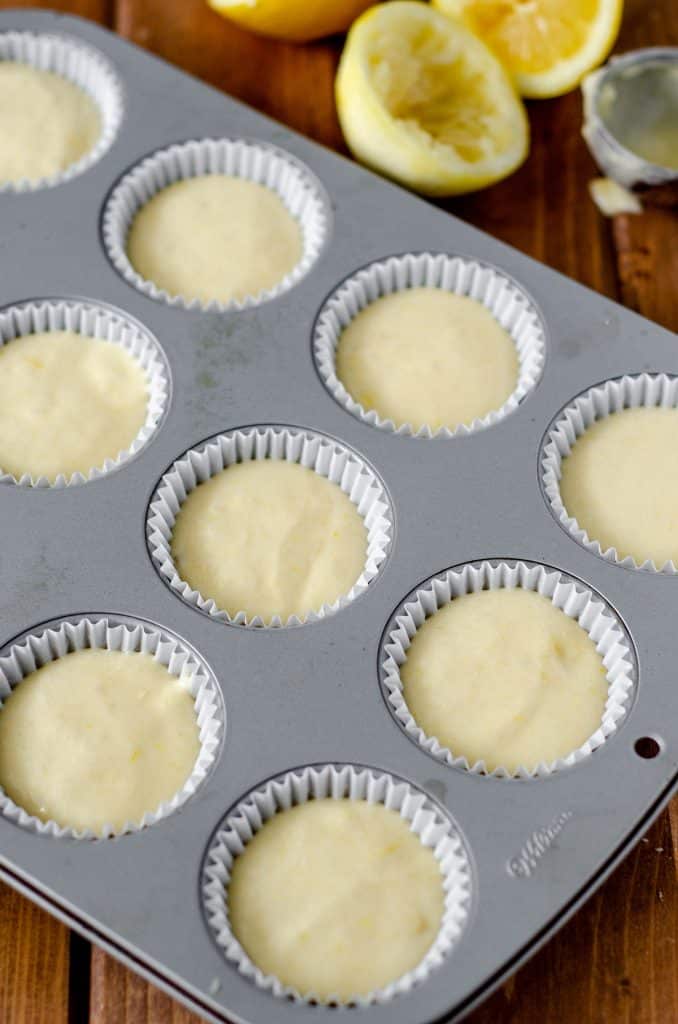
425,356
97,738
620,483
46,123
336,898
505,677
269,537
214,238
67,403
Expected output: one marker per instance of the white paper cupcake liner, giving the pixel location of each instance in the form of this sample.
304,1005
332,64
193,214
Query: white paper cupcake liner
93,321
573,598
628,392
295,185
326,457
337,782
116,633
507,302
83,66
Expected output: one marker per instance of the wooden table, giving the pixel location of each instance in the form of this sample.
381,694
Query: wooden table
616,961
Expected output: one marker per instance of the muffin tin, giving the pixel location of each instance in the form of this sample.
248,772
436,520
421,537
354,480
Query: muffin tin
313,694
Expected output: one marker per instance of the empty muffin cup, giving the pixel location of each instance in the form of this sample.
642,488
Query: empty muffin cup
65,637
101,324
288,188
508,305
576,601
631,540
338,783
332,462
92,74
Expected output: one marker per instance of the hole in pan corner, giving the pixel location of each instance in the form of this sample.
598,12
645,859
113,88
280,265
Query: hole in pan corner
648,747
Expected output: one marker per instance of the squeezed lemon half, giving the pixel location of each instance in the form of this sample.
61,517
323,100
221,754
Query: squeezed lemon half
295,20
547,45
421,99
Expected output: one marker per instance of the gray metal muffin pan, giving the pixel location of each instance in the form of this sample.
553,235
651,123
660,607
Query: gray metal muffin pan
311,694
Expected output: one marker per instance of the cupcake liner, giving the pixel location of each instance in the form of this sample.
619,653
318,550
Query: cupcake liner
628,392
116,633
93,321
337,782
573,598
326,457
83,66
508,303
295,185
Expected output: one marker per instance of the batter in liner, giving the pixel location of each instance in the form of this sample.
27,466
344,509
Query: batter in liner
269,537
427,357
336,898
620,483
505,677
214,237
46,123
67,403
97,738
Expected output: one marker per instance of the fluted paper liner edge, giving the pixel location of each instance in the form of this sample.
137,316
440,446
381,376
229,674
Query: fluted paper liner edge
105,324
426,820
628,392
507,302
296,186
576,600
118,634
84,66
325,456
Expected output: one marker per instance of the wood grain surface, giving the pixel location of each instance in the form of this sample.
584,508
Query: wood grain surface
616,961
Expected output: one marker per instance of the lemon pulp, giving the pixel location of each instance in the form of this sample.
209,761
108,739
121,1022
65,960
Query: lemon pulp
547,45
421,99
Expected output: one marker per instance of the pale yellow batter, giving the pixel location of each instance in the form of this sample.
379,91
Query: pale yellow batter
67,403
269,537
46,123
425,356
214,237
505,677
621,483
97,738
336,897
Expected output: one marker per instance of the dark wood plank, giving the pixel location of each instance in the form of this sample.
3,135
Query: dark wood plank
615,962
647,245
96,10
292,83
544,209
647,262
34,963
118,996
673,819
